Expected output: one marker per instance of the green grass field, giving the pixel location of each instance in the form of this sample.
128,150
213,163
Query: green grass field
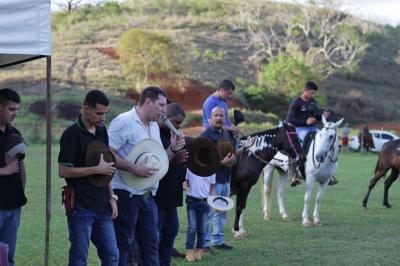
349,235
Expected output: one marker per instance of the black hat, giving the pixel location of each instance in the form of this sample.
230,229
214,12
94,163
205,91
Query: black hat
93,152
203,157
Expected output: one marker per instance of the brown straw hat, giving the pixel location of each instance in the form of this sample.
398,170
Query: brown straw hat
93,152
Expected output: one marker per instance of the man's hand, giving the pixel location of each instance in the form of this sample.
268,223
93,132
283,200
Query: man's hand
229,158
114,208
311,120
11,168
177,143
143,170
180,157
105,168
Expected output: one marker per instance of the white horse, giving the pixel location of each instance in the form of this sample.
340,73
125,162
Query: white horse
285,168
321,165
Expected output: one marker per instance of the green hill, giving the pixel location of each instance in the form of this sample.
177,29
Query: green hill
213,46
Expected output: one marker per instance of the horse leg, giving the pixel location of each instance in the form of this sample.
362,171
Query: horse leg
241,198
320,194
281,195
307,195
393,176
378,174
267,172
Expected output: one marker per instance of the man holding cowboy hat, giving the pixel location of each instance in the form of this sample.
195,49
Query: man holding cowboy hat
216,132
88,166
12,172
141,162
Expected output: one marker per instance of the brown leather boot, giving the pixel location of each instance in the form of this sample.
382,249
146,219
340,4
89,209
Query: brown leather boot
198,254
190,255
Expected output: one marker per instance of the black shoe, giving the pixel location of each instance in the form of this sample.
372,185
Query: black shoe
332,181
295,182
223,246
177,254
208,249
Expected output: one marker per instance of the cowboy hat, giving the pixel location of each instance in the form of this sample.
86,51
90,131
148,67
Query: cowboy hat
156,156
15,146
224,147
220,203
203,157
93,152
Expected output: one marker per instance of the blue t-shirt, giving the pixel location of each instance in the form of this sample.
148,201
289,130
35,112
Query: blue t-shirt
209,104
222,175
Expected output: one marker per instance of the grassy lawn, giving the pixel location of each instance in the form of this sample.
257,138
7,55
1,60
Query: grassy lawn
349,235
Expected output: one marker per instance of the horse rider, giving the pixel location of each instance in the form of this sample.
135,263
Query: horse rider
303,114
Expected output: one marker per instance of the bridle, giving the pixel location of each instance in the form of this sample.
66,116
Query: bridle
331,149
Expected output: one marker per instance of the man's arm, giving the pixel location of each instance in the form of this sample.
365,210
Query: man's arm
292,116
207,108
103,167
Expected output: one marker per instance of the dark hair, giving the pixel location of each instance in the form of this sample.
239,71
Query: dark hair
152,93
174,109
226,84
310,86
94,97
9,95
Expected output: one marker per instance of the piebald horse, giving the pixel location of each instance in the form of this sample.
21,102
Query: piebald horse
320,166
250,163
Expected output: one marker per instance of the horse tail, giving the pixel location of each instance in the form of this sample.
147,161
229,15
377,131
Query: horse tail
377,164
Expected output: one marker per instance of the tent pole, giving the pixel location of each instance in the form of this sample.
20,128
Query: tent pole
48,159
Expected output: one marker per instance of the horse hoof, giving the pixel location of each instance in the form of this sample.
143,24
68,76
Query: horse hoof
267,217
286,218
306,224
317,223
239,235
387,206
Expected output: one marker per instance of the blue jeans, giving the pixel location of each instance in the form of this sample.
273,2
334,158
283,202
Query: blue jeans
207,237
9,223
219,218
197,213
85,225
302,132
168,226
137,221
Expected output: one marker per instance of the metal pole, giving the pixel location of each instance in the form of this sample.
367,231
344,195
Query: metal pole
48,159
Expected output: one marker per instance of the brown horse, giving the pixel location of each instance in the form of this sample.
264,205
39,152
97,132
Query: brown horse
389,158
365,139
249,165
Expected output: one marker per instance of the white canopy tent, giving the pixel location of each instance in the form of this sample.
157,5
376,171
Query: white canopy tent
25,35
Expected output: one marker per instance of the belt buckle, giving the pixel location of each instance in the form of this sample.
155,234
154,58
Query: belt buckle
146,194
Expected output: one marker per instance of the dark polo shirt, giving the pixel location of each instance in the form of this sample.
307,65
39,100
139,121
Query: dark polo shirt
170,192
222,175
12,194
73,145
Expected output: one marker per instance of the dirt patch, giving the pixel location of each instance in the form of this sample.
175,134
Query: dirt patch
108,51
189,93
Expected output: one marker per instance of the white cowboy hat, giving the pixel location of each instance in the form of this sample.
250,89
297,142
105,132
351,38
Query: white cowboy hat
157,158
220,203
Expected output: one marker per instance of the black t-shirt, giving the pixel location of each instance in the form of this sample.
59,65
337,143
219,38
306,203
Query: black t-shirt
169,192
73,145
11,190
300,111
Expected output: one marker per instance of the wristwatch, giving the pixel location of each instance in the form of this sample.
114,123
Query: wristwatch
114,197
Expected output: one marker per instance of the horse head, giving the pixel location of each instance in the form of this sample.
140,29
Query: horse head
328,139
287,141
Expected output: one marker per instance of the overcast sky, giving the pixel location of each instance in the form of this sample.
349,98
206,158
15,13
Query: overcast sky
381,11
